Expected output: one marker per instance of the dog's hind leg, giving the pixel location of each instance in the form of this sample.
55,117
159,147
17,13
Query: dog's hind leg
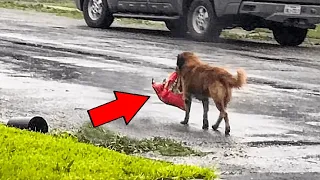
217,93
205,103
187,102
219,106
226,118
223,115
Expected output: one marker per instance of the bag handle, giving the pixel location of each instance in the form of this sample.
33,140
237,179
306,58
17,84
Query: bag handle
171,80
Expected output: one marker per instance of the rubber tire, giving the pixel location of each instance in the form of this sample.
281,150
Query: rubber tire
213,30
177,27
289,36
103,22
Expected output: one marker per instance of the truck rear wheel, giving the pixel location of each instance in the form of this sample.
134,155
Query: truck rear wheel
202,21
96,14
289,36
177,27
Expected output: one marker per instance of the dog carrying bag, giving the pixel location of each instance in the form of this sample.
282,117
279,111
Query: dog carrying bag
169,91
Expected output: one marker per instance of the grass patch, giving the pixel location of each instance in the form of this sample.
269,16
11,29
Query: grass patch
233,36
262,30
140,21
314,33
266,35
260,35
29,155
70,12
62,3
104,138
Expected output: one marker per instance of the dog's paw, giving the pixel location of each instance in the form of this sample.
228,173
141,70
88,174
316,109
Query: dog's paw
227,131
184,122
205,127
215,127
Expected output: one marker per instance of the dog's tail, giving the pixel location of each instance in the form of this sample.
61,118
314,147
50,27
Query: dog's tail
239,80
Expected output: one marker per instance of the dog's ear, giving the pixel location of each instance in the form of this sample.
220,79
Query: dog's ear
180,61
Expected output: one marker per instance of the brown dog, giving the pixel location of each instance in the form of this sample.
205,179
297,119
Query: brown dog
202,81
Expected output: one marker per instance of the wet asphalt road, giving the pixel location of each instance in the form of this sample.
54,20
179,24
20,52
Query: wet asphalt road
58,68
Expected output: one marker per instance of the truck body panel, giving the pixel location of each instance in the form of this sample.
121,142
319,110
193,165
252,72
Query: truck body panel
289,14
310,2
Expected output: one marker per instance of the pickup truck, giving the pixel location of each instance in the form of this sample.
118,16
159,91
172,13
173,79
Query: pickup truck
203,20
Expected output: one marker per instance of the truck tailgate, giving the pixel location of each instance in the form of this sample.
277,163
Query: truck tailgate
310,2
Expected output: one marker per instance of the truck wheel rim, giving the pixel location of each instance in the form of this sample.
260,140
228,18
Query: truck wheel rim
200,19
95,9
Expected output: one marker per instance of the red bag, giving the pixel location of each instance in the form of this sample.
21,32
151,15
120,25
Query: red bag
168,91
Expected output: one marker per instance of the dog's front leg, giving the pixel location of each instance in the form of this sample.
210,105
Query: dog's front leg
205,103
187,103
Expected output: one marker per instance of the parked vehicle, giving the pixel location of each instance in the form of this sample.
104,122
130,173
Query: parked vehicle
203,20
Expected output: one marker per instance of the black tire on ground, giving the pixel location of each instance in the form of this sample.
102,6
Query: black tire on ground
177,27
289,36
213,30
103,21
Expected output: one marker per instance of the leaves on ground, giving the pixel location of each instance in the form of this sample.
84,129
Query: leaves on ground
106,138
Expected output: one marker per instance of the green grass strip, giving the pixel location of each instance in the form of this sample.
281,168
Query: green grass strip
314,33
30,155
57,9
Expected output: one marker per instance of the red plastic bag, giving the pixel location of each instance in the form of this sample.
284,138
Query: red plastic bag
169,91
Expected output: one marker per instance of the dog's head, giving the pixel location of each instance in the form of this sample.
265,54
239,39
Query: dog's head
186,59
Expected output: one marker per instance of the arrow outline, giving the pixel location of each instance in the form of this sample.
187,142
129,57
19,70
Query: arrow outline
115,94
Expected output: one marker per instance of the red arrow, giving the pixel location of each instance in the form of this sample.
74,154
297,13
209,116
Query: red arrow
126,105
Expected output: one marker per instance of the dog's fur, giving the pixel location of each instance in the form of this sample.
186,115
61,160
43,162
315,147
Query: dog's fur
200,80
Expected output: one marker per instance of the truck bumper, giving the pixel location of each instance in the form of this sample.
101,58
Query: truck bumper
78,4
309,14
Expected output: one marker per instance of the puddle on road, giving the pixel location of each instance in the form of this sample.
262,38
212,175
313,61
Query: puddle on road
147,58
108,65
55,101
313,123
285,159
244,128
249,127
241,125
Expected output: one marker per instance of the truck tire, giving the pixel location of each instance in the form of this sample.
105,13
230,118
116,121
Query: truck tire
289,36
177,27
96,14
202,22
